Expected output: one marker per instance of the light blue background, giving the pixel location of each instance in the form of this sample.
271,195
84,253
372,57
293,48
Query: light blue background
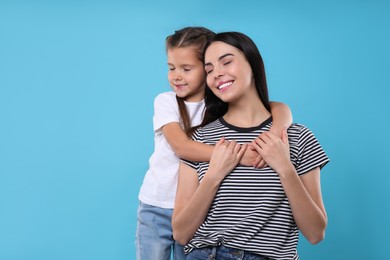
77,83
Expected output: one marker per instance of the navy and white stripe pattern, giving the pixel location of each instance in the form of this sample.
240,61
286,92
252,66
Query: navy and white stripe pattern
251,211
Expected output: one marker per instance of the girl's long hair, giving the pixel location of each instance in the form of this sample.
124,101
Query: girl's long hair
197,38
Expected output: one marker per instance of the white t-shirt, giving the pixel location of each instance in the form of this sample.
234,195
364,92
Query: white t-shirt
160,182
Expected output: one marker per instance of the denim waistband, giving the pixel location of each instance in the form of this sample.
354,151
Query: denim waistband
224,252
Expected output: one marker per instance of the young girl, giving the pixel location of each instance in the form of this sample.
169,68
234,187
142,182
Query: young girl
175,113
225,210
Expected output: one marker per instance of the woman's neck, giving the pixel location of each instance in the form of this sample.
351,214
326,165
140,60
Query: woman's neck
247,112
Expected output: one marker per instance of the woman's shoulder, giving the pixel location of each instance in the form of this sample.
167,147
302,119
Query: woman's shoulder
300,132
297,127
213,125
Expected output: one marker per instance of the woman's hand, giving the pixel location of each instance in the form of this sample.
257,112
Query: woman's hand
225,157
274,150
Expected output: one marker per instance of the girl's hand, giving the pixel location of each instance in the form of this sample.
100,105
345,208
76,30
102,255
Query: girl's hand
225,158
274,150
252,158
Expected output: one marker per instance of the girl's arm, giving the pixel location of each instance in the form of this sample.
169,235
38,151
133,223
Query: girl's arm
183,146
196,151
303,192
194,198
281,117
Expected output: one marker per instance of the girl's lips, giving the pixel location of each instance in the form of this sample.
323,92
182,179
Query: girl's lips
180,85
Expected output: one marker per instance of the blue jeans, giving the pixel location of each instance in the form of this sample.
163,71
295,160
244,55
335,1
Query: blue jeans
154,240
222,253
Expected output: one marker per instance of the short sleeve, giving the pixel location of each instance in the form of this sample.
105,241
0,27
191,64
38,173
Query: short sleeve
166,110
310,153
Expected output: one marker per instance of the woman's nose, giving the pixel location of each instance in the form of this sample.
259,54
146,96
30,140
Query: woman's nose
218,72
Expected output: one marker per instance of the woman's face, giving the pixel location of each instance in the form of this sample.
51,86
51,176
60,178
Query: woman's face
229,74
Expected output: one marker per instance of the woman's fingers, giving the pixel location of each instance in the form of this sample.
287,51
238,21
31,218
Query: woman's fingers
261,164
241,150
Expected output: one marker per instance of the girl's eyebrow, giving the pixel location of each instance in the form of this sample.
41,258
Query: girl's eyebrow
220,58
181,65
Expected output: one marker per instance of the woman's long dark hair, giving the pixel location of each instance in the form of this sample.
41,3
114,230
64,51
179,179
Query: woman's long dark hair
215,107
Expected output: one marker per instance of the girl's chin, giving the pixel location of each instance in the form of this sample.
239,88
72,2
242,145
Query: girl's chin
180,93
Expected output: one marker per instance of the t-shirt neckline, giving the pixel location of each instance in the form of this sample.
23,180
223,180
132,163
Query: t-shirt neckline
245,129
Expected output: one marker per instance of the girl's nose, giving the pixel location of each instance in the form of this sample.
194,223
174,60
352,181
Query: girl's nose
178,77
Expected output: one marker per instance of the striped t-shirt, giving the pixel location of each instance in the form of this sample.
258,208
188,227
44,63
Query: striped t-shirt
250,210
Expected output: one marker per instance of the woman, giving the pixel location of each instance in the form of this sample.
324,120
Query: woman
225,210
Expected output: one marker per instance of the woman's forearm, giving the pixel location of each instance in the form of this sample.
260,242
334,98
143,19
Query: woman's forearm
190,215
194,198
308,210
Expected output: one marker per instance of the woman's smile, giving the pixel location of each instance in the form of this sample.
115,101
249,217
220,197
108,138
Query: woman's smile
222,86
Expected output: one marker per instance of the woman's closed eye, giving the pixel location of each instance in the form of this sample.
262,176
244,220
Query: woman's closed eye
226,62
208,69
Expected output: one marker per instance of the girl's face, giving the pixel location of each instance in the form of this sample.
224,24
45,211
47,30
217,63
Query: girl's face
186,74
229,74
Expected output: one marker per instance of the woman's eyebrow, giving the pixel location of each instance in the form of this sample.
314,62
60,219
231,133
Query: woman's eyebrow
220,58
225,55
